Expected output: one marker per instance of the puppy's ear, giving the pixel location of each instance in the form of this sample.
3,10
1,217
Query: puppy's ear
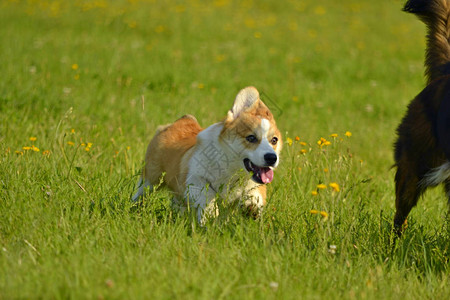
244,100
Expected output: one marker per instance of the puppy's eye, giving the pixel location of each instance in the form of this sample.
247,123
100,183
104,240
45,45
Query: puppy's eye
252,139
274,140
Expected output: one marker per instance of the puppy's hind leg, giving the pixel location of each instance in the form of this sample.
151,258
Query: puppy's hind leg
447,190
141,186
408,188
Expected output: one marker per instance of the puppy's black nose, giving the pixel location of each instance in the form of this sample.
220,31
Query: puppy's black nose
270,158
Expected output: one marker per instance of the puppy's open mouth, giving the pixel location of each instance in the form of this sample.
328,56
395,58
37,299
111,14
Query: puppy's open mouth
260,174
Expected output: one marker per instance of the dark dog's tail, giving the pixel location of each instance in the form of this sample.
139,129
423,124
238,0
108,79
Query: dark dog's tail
435,14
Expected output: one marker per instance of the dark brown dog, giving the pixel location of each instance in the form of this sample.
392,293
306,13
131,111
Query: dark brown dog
422,150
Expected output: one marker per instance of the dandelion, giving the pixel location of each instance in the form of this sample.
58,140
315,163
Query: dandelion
33,138
26,148
128,147
314,212
70,143
75,67
72,131
46,153
348,134
289,141
326,171
88,147
334,135
324,214
314,193
335,186
303,151
200,86
303,143
34,148
321,186
19,152
297,138
323,142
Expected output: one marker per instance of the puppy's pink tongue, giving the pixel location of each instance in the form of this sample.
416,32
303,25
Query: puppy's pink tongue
266,175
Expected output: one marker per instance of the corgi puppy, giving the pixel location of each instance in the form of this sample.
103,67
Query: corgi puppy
422,150
199,165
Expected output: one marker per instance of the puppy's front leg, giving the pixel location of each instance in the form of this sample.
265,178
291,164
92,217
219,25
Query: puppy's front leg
255,200
202,198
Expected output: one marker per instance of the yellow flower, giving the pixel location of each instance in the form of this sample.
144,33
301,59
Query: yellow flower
323,142
72,131
128,147
294,98
289,141
74,67
334,135
325,170
82,144
303,143
19,152
200,86
297,138
87,149
313,211
348,134
321,186
257,35
314,193
26,148
89,145
335,186
76,77
46,153
33,138
303,151
34,148
324,214
70,143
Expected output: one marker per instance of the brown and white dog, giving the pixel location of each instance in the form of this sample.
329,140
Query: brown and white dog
422,150
200,164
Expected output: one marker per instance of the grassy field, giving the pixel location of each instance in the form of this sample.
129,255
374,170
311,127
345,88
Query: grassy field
83,86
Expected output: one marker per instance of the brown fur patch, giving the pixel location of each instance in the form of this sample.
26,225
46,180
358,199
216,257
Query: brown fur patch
166,153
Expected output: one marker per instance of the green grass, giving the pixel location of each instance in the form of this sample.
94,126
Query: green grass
114,70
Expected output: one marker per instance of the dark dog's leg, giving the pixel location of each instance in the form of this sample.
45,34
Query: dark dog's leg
447,191
408,191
